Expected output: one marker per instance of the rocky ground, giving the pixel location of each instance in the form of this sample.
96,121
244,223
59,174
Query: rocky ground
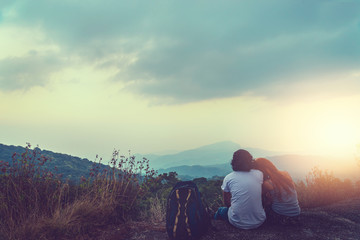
340,221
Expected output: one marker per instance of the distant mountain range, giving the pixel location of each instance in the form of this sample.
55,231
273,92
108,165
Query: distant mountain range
217,153
207,161
214,160
297,165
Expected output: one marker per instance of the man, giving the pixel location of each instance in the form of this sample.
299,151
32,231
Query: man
242,193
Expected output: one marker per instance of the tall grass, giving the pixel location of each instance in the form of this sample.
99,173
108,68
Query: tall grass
322,188
35,203
157,210
27,189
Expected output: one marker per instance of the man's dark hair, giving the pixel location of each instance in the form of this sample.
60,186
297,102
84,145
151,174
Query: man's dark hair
242,161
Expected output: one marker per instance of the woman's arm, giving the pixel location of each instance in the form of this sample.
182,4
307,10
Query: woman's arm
267,186
266,196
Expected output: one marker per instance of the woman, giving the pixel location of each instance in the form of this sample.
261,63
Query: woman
279,190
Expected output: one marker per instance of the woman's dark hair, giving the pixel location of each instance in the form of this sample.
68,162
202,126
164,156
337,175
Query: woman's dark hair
242,161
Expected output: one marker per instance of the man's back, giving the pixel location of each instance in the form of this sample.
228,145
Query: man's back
246,211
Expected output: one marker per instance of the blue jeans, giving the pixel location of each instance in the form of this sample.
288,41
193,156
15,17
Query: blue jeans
222,214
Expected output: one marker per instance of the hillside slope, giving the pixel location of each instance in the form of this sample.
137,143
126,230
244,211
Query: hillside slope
71,167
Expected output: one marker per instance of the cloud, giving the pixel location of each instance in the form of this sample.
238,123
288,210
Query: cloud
190,51
28,71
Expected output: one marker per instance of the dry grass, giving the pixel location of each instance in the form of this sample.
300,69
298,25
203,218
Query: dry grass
157,210
72,221
36,204
322,188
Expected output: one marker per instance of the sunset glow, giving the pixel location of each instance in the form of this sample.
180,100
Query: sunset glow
84,79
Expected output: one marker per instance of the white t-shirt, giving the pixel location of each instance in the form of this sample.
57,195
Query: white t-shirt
246,211
287,205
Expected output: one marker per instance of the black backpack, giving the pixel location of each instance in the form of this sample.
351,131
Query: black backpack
186,214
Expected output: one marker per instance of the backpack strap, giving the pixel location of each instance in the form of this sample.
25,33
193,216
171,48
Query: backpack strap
186,216
178,213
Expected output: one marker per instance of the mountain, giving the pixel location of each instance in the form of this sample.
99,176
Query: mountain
217,153
214,160
71,167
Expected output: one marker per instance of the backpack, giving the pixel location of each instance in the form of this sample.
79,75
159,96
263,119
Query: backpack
186,214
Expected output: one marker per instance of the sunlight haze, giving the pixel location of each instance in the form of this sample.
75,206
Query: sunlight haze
83,78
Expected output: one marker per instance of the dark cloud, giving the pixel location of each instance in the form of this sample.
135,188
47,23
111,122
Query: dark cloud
189,51
28,71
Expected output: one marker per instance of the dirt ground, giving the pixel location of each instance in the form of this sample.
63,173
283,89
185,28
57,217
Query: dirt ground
340,221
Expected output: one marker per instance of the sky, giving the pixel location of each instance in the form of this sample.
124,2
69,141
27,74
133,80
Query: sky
87,77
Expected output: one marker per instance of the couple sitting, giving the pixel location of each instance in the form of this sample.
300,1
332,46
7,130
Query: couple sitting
253,186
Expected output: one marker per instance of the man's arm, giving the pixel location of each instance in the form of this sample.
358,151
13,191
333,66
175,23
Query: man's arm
227,198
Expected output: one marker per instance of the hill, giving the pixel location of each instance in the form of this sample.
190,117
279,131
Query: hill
71,167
